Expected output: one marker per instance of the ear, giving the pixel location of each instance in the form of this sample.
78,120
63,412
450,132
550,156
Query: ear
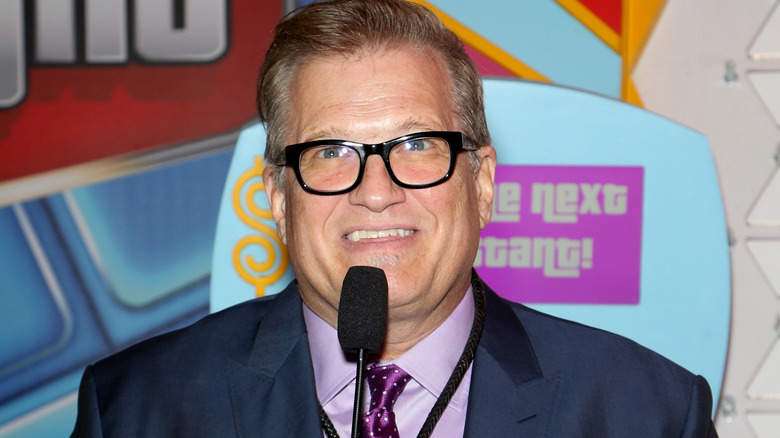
277,200
486,176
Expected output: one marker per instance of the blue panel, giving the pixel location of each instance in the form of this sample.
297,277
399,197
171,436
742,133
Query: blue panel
50,411
182,198
143,244
153,232
33,325
56,420
79,338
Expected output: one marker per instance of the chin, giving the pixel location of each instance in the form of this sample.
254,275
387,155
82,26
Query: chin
383,260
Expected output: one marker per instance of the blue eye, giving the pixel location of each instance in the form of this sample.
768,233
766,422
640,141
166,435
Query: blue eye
416,145
332,152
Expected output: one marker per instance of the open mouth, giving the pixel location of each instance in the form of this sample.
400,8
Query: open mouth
359,235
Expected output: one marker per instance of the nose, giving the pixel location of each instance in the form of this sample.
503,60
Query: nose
376,190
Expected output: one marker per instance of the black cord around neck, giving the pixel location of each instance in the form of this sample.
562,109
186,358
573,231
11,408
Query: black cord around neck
478,289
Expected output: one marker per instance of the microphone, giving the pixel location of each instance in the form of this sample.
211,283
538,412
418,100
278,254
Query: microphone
362,322
363,309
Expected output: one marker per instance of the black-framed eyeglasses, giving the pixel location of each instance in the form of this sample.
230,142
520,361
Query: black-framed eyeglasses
414,161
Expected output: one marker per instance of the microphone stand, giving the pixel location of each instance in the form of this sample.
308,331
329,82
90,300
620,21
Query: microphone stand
358,407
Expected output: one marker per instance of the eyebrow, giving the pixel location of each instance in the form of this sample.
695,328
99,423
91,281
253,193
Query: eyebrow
415,125
323,134
333,133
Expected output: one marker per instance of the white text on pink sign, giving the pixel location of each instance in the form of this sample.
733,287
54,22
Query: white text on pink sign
561,202
556,257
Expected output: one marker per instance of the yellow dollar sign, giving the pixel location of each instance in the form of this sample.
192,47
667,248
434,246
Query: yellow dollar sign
249,183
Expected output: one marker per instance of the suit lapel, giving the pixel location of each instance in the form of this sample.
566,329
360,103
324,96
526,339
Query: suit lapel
273,394
509,395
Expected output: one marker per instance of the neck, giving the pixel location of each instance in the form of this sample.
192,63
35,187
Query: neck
403,333
406,326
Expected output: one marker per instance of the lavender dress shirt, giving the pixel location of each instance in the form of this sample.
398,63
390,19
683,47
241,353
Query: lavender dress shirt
430,363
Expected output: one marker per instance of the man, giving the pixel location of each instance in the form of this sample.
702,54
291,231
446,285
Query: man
378,154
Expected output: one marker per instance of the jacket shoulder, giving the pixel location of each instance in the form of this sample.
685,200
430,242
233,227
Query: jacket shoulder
611,383
185,383
561,343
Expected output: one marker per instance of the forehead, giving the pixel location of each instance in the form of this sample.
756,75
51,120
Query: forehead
371,97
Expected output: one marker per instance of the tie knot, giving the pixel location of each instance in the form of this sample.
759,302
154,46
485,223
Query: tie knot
385,383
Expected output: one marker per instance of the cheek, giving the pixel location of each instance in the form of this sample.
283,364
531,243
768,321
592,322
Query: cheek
453,209
308,217
459,197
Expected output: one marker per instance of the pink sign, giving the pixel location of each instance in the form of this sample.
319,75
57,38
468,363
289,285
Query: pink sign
564,234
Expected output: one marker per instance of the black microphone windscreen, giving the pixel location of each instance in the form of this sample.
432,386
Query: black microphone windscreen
363,309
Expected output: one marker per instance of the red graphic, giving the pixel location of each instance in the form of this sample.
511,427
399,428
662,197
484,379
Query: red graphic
75,114
609,11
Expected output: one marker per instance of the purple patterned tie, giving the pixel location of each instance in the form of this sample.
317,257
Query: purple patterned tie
385,382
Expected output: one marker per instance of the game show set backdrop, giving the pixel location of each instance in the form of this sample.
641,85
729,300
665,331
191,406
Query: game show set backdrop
131,201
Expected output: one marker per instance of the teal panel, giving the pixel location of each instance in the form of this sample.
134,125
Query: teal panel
685,303
546,37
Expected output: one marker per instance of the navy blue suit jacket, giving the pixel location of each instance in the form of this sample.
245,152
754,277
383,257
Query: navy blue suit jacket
247,372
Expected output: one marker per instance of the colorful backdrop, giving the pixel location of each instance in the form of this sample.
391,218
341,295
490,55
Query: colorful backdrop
122,120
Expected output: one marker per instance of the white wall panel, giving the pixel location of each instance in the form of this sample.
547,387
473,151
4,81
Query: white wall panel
695,70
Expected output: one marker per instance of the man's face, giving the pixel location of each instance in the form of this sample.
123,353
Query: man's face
424,239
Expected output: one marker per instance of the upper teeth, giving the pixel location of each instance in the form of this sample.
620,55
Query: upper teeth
373,234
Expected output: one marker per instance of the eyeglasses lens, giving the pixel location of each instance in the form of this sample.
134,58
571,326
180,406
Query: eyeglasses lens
418,161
